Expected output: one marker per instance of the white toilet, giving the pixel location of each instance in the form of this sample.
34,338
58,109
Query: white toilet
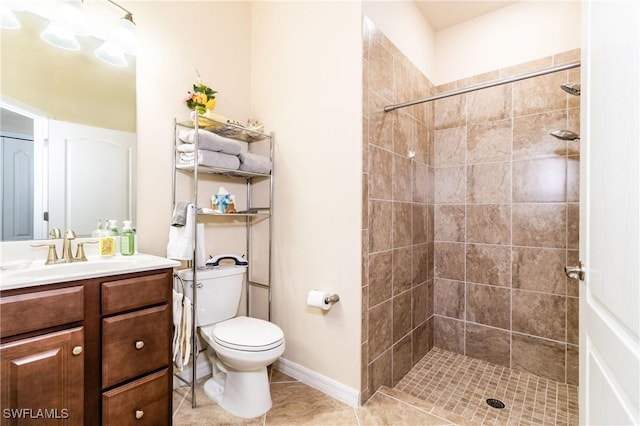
240,348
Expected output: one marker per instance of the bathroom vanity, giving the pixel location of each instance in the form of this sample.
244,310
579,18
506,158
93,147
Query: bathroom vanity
92,350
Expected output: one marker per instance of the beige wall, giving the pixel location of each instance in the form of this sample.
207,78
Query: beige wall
512,35
304,83
307,86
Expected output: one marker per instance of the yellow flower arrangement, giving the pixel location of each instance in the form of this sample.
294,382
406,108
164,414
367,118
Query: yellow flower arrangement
202,98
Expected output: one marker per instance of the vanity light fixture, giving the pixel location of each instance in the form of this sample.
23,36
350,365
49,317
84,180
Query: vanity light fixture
121,40
68,21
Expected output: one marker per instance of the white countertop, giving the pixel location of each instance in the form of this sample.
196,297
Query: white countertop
20,267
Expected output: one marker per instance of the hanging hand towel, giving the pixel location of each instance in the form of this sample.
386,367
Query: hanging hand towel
180,246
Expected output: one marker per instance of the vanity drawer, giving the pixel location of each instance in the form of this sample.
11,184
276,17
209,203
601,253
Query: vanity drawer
133,293
143,402
135,343
41,309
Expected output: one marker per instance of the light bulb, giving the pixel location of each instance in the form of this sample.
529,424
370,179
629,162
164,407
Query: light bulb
58,36
111,54
8,20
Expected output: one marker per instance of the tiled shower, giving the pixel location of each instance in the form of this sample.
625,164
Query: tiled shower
470,213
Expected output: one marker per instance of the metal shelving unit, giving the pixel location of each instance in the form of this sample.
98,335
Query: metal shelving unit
239,133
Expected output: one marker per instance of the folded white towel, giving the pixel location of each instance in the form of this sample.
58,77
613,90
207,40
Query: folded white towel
186,147
254,163
211,141
210,159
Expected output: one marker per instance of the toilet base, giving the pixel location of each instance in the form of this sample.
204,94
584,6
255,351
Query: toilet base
244,394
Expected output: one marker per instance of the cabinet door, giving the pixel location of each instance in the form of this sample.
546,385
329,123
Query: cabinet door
42,379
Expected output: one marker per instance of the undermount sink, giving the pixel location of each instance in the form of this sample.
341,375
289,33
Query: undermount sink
28,273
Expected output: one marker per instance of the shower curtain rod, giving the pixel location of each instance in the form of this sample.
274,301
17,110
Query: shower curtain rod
486,85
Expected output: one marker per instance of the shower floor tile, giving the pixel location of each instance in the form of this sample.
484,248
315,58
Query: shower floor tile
456,384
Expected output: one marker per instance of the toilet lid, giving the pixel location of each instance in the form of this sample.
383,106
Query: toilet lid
248,334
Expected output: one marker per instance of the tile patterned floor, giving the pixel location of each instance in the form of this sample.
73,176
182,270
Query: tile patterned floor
442,389
461,385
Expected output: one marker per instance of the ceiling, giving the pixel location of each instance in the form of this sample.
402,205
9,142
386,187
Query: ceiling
442,14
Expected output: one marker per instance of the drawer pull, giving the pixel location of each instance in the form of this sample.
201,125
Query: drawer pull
77,350
139,414
139,344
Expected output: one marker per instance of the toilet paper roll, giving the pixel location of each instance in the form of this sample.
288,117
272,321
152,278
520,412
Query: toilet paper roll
319,299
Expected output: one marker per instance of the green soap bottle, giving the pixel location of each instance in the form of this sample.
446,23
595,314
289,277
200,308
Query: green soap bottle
127,239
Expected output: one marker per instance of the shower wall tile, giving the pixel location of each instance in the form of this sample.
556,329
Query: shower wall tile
380,173
573,178
380,320
573,225
450,112
489,223
569,56
401,315
402,178
401,224
538,314
489,183
450,146
402,277
572,359
449,260
420,214
398,215
451,186
448,298
489,104
420,182
488,305
572,320
535,95
531,135
489,142
380,284
540,225
449,334
488,344
449,223
402,352
489,264
419,263
539,269
518,221
538,356
380,227
542,180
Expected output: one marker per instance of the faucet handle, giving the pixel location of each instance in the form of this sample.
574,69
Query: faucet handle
55,233
52,254
80,256
69,235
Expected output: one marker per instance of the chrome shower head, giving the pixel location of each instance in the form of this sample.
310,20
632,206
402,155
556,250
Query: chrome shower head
565,135
571,88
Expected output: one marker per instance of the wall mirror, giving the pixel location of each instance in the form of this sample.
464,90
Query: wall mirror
68,129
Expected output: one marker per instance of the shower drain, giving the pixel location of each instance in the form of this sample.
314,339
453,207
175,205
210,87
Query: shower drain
495,403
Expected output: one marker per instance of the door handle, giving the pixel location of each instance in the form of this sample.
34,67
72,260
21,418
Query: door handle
575,272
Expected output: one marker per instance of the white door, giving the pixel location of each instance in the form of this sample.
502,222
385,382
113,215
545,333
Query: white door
16,157
610,214
91,176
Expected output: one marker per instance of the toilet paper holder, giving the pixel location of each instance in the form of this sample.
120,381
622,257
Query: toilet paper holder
332,299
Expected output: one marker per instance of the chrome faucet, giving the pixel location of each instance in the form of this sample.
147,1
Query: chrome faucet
67,257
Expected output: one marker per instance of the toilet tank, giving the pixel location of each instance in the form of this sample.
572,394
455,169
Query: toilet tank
220,293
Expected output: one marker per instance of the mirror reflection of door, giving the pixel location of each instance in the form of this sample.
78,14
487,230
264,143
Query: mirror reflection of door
17,188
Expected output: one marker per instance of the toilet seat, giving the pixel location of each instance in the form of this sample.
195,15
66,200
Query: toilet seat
247,334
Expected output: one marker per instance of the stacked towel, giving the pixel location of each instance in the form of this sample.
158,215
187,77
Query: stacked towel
254,163
210,141
210,159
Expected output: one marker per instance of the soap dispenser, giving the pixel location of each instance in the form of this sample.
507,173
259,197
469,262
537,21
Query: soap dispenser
127,239
107,241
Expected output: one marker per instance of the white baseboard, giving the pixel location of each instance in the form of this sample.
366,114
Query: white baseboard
317,381
203,369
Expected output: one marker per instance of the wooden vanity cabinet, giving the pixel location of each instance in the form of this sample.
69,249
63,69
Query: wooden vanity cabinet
90,352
